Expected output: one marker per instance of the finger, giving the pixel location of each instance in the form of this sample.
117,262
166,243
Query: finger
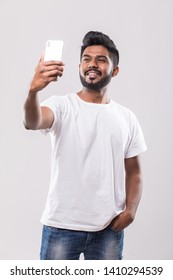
54,62
114,225
42,57
46,69
117,223
54,73
52,67
52,79
118,228
40,60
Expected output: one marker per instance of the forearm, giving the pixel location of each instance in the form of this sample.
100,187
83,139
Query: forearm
133,195
32,111
133,192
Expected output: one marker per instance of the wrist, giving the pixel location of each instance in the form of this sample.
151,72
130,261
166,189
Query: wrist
32,92
130,212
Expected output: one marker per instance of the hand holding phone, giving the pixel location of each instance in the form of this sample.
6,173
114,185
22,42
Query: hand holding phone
53,50
48,72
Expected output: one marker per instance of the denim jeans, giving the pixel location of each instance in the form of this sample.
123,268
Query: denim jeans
62,244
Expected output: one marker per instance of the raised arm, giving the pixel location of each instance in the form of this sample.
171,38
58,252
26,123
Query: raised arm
36,117
133,193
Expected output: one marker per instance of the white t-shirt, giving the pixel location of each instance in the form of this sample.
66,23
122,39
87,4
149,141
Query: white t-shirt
89,144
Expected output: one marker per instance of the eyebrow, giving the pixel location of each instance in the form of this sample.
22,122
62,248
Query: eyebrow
86,55
99,56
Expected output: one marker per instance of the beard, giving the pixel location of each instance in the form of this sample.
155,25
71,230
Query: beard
98,85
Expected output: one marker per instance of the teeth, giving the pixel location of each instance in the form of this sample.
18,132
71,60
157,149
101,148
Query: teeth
92,74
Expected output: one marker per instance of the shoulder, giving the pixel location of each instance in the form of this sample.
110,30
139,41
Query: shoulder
57,100
123,111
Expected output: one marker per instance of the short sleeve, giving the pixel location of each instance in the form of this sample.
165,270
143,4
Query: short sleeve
54,104
137,143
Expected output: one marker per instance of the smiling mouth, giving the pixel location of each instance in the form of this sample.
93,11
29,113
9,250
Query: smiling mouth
93,73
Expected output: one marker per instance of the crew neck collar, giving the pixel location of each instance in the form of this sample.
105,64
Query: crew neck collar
92,103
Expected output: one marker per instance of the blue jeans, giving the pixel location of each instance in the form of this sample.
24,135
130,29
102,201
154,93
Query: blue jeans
62,244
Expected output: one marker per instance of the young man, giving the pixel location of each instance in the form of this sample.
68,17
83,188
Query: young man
95,185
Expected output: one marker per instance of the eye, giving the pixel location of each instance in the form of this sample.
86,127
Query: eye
102,59
85,59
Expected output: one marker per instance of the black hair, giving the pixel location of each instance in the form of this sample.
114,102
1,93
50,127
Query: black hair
98,38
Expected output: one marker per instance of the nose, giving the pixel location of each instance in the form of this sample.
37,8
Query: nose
93,64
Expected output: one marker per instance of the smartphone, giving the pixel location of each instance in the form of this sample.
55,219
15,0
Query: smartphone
53,50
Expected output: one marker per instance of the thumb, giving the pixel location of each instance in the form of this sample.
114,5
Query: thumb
42,57
40,60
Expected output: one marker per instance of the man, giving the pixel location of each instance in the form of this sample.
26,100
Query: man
95,185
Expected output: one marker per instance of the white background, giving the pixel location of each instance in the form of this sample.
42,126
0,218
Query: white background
143,33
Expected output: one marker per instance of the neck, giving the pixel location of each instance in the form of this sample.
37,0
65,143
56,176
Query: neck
94,96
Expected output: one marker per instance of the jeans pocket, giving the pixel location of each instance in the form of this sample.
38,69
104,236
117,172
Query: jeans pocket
119,233
113,229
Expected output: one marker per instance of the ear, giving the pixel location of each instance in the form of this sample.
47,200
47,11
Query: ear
115,71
